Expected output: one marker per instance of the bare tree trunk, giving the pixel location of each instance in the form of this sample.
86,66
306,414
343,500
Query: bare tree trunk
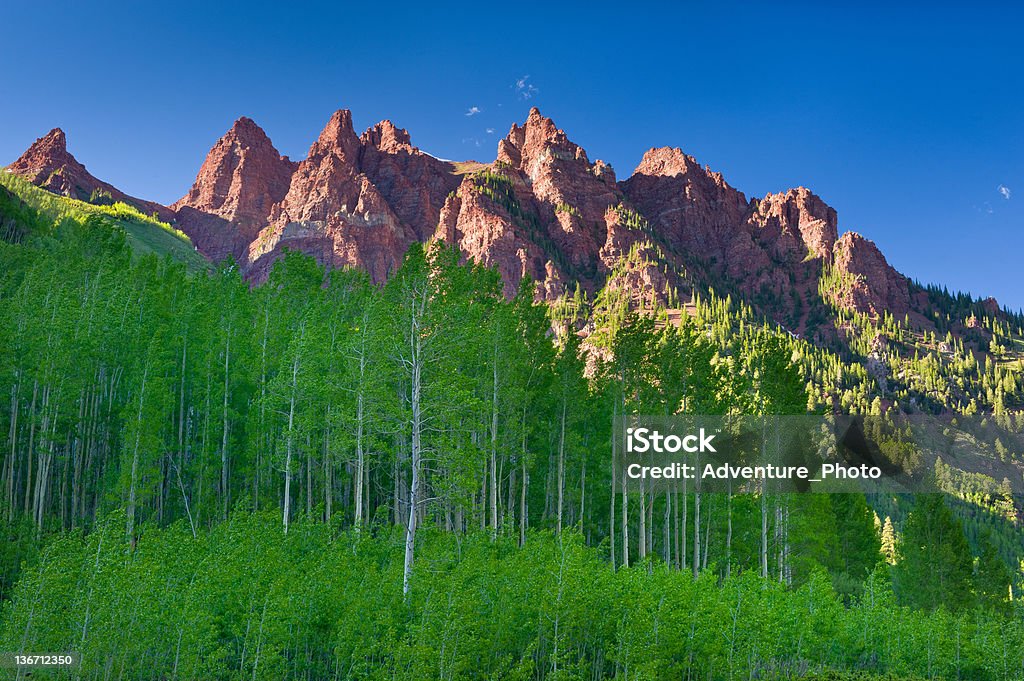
728,531
696,527
494,443
615,465
764,531
290,440
642,532
625,523
130,529
561,469
416,360
225,429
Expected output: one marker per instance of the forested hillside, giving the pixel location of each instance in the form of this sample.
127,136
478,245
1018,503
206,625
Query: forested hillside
322,477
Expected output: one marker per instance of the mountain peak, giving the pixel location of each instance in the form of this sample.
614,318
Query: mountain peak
338,137
338,125
667,162
47,154
48,164
242,177
536,141
55,139
387,137
246,129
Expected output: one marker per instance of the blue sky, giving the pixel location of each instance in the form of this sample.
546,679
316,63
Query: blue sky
908,121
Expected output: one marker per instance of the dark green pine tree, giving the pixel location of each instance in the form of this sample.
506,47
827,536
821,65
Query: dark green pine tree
860,547
993,578
934,567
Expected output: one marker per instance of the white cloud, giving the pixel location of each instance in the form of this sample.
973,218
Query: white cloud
490,131
473,111
524,89
1005,191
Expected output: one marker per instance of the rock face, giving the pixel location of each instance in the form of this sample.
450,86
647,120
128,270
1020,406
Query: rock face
867,283
800,218
241,179
414,184
48,164
542,209
353,201
772,249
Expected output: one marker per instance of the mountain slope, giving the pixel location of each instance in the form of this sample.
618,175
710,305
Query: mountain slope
48,164
145,234
670,232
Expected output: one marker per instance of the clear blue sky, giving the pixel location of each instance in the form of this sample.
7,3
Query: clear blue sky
907,121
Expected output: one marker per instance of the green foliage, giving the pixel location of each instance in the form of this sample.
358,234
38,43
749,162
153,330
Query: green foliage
246,601
146,233
935,566
396,444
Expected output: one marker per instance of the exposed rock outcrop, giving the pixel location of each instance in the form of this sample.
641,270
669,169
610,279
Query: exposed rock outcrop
865,280
542,210
240,181
48,164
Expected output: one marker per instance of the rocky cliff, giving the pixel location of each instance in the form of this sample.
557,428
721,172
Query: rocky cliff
542,209
48,164
241,180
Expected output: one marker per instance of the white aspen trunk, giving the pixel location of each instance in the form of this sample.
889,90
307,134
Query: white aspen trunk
583,494
728,531
764,531
625,523
696,526
525,486
680,536
224,488
642,532
615,465
360,461
290,443
260,442
414,485
707,541
561,469
31,445
666,530
130,529
13,437
328,472
494,445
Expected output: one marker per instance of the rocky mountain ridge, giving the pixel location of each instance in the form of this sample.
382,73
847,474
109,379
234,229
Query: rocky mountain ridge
542,209
48,164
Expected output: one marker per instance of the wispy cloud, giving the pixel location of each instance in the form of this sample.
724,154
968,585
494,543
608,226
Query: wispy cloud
473,111
524,89
1005,191
471,140
490,131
